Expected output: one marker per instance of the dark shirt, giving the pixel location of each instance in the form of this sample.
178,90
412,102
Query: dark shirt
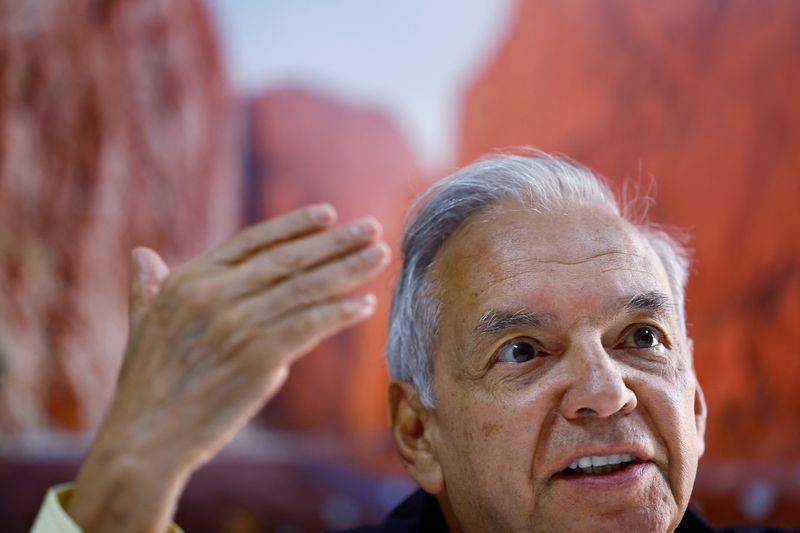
420,513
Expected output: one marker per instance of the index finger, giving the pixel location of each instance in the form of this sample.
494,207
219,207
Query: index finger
274,231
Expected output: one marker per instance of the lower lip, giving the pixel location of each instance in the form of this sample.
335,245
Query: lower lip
630,475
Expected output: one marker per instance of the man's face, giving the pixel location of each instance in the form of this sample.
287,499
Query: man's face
559,342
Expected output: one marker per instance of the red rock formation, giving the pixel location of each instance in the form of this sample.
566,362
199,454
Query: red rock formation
703,96
114,119
310,148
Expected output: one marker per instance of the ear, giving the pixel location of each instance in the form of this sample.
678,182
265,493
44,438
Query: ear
412,426
700,413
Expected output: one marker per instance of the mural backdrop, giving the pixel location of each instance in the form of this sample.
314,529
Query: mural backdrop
121,126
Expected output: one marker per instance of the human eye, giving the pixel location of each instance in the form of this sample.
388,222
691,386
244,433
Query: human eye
519,350
642,336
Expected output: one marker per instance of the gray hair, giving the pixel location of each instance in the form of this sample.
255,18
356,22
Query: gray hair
544,181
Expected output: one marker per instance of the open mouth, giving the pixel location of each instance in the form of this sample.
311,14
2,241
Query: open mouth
599,464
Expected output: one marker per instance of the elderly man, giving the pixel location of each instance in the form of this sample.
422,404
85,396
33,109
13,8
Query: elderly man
542,374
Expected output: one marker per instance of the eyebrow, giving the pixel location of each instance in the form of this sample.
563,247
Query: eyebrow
654,302
493,321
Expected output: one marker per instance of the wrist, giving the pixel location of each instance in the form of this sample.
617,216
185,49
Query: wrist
122,490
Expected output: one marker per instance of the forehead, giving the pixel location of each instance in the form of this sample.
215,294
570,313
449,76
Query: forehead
567,262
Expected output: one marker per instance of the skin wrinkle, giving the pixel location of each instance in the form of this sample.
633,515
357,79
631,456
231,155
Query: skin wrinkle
568,262
502,431
620,268
577,262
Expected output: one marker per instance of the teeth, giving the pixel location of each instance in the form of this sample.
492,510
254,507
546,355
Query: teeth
596,461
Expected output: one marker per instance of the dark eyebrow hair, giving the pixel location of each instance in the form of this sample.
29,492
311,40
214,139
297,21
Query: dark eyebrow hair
655,302
493,321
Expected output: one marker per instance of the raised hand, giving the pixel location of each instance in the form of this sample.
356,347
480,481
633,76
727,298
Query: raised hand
210,342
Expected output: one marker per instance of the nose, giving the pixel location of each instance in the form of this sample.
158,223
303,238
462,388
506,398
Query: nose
596,387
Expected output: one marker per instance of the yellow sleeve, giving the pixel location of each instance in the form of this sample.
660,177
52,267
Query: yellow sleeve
52,517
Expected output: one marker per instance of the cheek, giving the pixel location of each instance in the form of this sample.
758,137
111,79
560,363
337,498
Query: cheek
676,410
671,408
491,427
489,446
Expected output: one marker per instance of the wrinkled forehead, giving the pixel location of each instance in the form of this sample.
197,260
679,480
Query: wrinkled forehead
512,251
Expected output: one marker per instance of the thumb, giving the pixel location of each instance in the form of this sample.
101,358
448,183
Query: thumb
149,271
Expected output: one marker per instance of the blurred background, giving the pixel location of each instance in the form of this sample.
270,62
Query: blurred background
172,123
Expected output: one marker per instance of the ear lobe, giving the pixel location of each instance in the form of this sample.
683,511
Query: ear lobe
412,425
700,414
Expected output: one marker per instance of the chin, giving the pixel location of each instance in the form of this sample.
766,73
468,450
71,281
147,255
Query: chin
623,522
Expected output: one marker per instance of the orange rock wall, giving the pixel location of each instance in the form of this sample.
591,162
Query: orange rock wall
304,148
704,97
115,132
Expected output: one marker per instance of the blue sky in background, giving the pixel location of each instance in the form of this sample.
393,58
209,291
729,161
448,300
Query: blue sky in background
413,59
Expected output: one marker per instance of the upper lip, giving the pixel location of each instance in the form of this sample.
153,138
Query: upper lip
637,450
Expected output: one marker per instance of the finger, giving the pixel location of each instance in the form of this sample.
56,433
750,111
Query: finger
298,333
288,259
313,287
256,238
149,272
